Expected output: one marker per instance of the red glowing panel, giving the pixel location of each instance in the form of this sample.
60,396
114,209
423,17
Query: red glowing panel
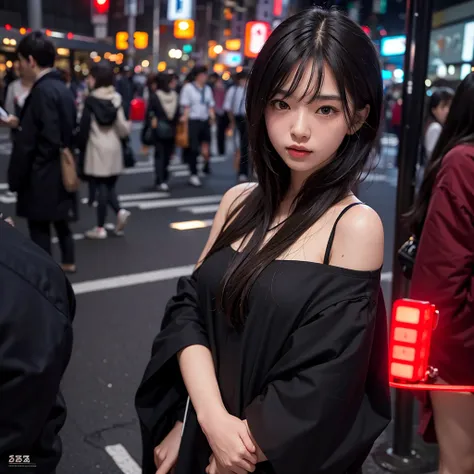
277,7
410,338
101,7
256,34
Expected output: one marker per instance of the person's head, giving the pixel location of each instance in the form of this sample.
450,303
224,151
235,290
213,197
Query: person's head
36,52
458,128
316,85
151,82
213,78
174,80
242,77
200,75
101,75
164,81
439,103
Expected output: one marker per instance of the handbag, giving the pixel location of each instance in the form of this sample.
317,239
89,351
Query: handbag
407,255
182,135
164,131
69,171
148,138
128,156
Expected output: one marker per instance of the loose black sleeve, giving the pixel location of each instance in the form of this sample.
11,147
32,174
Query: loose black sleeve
324,403
161,397
35,349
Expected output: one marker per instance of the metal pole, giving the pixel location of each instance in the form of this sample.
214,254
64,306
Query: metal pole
35,14
402,457
156,35
132,26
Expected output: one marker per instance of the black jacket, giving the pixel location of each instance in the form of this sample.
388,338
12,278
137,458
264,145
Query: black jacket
37,307
47,123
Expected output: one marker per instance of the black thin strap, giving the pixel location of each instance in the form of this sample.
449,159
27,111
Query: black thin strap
333,232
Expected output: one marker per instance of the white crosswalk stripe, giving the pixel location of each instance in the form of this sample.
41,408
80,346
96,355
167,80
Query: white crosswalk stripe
201,209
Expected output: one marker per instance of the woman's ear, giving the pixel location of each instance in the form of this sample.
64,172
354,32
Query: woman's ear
359,119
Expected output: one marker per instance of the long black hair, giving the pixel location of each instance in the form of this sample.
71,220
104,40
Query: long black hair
309,39
439,96
458,129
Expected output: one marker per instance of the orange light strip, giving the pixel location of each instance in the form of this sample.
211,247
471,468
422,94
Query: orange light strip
432,387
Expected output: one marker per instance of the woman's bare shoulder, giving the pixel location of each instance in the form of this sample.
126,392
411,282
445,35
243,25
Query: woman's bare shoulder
359,240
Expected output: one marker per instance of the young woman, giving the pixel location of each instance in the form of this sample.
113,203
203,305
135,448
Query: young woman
438,108
443,217
103,125
279,337
163,112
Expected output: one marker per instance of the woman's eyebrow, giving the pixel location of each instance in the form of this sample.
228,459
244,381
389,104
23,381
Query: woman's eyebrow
318,97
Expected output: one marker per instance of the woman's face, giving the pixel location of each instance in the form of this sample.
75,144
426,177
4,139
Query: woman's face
90,82
441,112
307,135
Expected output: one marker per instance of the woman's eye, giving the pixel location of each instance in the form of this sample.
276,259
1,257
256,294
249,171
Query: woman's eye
326,110
280,105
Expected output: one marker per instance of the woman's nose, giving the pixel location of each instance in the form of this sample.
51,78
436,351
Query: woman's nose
300,130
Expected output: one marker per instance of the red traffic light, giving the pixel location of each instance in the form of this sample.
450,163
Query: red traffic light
101,7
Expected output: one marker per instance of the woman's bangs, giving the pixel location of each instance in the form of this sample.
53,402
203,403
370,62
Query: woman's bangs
293,66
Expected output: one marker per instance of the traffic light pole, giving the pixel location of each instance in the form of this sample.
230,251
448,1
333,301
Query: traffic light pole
132,26
156,35
400,455
35,14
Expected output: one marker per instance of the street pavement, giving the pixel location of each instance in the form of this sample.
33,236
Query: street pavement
122,286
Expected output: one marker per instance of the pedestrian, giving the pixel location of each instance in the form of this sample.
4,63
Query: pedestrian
279,336
438,108
442,220
222,118
197,101
46,125
103,127
36,314
235,107
163,114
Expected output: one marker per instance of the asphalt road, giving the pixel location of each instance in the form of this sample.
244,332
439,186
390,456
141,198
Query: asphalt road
122,287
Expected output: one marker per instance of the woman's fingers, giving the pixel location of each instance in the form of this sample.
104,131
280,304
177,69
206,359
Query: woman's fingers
245,437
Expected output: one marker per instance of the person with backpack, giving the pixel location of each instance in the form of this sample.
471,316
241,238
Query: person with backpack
103,126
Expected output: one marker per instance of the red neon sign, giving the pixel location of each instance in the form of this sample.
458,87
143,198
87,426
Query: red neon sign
256,34
413,323
277,7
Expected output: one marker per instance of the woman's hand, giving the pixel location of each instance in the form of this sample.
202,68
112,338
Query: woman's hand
260,455
230,442
166,453
215,468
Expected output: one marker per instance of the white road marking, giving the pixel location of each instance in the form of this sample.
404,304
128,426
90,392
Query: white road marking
122,458
123,281
165,203
181,174
144,196
178,202
4,187
200,209
7,199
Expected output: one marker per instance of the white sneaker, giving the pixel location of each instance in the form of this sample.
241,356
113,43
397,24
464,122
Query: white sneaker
195,181
164,187
122,219
97,233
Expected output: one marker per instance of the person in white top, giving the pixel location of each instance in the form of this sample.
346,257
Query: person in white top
197,101
438,108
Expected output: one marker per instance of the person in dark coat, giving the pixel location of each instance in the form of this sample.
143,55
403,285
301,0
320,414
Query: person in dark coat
36,315
46,124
